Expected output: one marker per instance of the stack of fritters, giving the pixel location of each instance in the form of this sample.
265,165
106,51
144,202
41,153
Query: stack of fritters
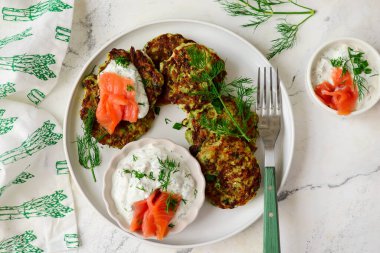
228,163
125,131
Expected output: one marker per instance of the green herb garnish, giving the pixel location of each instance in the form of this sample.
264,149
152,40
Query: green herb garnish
140,175
130,88
171,225
141,188
143,104
235,125
358,65
136,173
184,201
167,121
88,150
122,61
135,158
260,11
177,126
195,192
171,203
167,168
157,110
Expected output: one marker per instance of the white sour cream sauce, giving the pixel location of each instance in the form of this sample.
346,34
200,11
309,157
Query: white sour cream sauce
127,189
323,68
132,73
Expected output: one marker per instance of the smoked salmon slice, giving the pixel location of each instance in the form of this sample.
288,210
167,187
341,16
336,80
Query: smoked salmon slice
148,225
139,207
117,101
342,95
163,211
156,212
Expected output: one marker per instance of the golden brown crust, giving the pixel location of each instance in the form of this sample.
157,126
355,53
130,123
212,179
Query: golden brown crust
179,76
125,132
231,171
161,47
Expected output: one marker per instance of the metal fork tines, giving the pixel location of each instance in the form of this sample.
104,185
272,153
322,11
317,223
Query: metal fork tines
268,108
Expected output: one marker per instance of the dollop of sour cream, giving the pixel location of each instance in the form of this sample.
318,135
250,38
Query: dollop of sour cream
137,176
131,72
323,69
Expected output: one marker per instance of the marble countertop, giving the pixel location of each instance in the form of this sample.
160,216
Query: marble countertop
329,203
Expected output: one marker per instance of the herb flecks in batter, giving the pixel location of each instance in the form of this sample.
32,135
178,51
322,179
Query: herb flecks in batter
167,168
88,150
235,125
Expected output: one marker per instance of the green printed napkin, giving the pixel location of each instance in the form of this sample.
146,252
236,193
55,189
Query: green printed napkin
36,205
34,37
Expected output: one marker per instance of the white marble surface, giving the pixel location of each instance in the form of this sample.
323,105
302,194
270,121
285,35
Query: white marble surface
330,201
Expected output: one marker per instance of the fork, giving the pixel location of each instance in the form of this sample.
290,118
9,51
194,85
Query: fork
269,112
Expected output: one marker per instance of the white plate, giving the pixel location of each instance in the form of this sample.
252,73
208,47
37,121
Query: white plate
243,59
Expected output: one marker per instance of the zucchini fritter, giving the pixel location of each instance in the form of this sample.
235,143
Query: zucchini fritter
161,47
228,163
179,72
231,171
125,131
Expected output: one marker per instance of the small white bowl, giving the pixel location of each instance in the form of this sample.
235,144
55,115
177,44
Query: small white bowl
188,159
374,54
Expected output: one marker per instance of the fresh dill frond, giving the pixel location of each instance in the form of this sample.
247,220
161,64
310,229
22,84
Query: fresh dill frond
167,168
359,66
260,11
134,158
171,225
171,203
141,188
340,62
88,150
167,121
122,61
215,93
287,39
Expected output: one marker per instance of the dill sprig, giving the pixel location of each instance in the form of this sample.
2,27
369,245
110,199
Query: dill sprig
167,168
359,67
260,11
236,124
88,150
171,203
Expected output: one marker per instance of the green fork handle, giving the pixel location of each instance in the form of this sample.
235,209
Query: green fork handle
271,228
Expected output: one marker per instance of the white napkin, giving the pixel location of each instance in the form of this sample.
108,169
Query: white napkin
34,37
35,192
36,204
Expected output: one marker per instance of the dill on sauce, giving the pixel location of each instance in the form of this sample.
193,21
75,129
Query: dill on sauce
88,150
359,67
171,203
135,158
122,61
139,175
167,168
